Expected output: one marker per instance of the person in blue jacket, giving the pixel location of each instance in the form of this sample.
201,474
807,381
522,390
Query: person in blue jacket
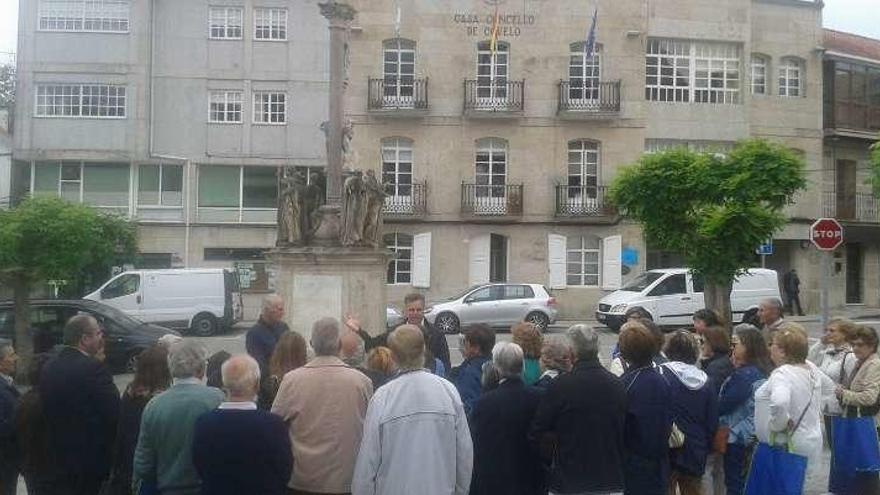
736,400
476,347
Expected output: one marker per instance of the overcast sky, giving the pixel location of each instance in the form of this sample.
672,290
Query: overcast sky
855,16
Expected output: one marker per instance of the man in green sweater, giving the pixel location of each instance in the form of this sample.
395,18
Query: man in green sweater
163,457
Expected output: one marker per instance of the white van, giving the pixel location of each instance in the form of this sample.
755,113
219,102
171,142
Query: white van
203,300
672,296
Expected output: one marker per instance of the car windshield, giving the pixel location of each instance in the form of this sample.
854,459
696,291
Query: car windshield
462,293
642,282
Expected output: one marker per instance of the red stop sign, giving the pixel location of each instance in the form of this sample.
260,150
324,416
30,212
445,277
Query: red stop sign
826,234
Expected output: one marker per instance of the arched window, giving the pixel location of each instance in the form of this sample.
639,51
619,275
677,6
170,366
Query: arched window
492,70
584,72
400,266
759,74
791,77
397,163
583,260
399,65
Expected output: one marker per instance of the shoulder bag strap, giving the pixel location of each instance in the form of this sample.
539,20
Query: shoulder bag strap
806,408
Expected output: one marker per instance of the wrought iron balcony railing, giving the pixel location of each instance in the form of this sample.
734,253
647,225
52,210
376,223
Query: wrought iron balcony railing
581,96
492,200
858,207
398,93
579,201
406,200
498,95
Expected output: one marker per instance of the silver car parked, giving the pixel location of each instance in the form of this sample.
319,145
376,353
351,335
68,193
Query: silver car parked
496,305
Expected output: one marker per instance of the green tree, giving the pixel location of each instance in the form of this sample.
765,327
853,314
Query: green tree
713,209
7,85
50,239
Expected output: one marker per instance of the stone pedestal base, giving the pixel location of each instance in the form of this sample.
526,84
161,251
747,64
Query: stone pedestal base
319,281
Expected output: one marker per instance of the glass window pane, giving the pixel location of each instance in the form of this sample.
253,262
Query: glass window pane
105,184
218,186
260,188
45,179
172,185
148,184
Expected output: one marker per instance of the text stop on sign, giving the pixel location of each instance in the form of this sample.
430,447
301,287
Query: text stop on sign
826,234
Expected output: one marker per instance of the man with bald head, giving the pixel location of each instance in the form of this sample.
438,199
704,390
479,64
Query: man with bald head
416,436
238,449
354,355
261,338
81,409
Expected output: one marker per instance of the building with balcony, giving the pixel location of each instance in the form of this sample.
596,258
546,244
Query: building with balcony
851,116
517,140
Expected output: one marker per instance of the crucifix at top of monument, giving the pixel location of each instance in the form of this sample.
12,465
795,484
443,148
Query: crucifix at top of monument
352,215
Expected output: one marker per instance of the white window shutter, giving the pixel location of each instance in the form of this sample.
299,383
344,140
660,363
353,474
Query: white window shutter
421,261
556,257
611,275
479,260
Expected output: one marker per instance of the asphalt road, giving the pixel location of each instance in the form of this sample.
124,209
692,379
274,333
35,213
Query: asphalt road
234,343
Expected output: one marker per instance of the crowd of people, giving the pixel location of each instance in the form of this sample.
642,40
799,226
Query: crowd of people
350,412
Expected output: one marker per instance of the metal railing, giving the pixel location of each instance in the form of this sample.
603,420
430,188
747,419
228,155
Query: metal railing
860,207
500,95
603,98
409,200
393,93
576,201
480,199
858,116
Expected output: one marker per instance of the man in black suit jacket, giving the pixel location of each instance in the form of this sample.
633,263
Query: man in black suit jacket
8,401
504,460
81,407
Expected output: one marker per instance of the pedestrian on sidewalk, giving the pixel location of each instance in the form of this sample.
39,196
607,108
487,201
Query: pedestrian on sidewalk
791,284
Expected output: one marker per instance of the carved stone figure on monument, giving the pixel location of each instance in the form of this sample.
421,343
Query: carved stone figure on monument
375,202
354,209
287,208
349,160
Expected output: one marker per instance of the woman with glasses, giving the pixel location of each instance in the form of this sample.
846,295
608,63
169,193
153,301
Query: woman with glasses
858,396
736,404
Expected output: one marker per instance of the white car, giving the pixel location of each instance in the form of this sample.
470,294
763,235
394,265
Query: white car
496,305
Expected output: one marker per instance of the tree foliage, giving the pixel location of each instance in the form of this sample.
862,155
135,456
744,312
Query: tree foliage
713,209
7,85
50,239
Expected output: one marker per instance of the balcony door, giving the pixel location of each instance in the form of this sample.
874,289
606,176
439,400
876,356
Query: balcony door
846,189
492,72
583,175
397,156
399,59
584,74
491,177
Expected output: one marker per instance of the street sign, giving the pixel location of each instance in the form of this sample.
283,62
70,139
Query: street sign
765,249
826,234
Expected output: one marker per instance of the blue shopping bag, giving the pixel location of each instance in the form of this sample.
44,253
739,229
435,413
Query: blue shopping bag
856,447
776,471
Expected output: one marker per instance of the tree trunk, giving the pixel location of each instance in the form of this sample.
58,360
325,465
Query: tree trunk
717,297
24,344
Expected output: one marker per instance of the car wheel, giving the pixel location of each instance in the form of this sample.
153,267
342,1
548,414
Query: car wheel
204,325
539,319
131,361
447,323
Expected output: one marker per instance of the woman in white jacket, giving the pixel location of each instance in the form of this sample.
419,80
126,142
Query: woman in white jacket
788,407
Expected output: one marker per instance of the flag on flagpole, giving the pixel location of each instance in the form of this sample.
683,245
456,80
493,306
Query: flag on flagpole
493,42
590,45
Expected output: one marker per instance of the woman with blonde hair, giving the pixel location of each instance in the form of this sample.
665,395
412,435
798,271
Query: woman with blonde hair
530,340
290,353
379,359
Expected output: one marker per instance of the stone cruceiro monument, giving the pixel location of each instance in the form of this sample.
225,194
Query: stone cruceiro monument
328,257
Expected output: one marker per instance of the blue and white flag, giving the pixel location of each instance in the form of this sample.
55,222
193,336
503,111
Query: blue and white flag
590,45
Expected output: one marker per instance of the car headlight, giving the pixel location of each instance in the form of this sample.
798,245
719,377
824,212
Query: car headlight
618,308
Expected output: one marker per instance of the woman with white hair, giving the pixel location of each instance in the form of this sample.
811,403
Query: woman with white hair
504,461
555,360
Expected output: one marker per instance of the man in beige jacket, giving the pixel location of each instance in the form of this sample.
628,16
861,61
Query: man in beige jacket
323,404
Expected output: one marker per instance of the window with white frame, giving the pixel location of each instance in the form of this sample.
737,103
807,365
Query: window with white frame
491,168
583,168
160,185
103,185
492,70
397,162
398,67
225,107
270,24
270,107
759,74
791,77
582,260
692,72
111,16
237,193
400,266
80,100
584,71
225,23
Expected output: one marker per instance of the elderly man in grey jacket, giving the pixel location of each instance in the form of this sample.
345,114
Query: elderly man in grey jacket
416,437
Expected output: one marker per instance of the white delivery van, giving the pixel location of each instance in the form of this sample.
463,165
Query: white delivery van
672,296
202,299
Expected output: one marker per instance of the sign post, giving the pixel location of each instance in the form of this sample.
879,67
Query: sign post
827,235
765,250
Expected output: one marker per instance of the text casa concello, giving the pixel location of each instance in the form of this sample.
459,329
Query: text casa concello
509,25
